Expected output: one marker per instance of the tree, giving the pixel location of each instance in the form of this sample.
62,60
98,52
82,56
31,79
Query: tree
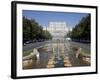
32,30
82,30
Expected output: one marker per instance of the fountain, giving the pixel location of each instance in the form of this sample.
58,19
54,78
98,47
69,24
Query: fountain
78,52
35,53
58,49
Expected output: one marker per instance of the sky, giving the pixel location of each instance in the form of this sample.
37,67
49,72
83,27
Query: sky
44,17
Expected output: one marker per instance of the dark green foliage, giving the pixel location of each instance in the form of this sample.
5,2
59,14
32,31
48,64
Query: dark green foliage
33,31
82,30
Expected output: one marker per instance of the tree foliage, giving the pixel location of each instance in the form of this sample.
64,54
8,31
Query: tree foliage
32,30
82,30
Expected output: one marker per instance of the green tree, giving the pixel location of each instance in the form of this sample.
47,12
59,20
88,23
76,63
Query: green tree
32,30
83,29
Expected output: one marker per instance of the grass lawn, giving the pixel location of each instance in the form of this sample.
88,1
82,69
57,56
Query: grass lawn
85,52
25,53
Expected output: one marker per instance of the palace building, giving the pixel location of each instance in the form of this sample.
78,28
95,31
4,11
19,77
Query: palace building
57,29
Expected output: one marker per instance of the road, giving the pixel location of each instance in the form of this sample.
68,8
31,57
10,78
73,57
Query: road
37,44
82,45
34,45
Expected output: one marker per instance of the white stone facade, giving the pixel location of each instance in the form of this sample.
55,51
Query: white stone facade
57,29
